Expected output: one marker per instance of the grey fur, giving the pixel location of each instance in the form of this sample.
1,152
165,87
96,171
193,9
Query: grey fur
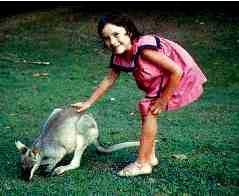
64,132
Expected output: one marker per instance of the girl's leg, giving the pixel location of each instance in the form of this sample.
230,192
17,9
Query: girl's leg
147,139
153,160
147,147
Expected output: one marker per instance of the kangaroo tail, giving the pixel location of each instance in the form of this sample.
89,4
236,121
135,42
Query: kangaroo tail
115,147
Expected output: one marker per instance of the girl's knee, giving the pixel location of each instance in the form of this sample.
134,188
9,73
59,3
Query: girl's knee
150,115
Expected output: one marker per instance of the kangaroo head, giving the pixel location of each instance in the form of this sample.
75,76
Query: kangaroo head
30,160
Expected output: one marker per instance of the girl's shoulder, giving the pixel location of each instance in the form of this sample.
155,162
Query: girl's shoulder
148,41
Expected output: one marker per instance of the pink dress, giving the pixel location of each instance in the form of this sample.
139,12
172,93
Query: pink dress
152,78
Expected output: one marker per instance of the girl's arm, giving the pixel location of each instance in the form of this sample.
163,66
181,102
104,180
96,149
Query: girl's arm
103,87
170,66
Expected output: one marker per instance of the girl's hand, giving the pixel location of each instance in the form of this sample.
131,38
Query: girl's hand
81,106
157,106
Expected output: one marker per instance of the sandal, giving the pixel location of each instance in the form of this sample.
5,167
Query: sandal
135,169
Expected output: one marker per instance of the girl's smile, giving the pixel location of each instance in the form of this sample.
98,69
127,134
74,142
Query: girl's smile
116,38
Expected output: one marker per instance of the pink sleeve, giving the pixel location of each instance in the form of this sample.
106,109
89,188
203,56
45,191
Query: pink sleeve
148,41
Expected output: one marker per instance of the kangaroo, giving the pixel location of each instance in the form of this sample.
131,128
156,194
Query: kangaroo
64,132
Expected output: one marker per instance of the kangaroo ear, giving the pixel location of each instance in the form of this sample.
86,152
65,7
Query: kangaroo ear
21,147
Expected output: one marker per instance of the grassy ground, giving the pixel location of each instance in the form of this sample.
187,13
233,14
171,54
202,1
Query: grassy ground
206,132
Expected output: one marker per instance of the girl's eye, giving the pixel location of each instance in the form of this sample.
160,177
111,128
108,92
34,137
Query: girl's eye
116,34
105,38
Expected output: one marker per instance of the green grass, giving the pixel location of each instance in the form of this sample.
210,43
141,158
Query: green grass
206,131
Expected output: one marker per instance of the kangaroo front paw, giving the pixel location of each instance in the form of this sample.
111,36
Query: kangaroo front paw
59,171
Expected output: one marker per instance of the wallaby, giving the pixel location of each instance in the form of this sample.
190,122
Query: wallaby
65,131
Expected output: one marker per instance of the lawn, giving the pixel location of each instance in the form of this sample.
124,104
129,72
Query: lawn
53,57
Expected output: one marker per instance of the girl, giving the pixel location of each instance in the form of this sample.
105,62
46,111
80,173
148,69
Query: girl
166,73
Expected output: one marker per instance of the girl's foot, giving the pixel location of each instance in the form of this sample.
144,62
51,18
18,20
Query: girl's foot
135,169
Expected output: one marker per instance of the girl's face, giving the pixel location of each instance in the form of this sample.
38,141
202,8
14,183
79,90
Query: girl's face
116,38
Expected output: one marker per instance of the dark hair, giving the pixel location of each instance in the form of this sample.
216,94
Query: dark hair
119,20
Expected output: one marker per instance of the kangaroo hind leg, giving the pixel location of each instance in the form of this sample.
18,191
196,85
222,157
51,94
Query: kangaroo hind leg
75,162
50,162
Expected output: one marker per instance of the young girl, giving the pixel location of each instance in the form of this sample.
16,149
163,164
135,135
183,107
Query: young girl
166,73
